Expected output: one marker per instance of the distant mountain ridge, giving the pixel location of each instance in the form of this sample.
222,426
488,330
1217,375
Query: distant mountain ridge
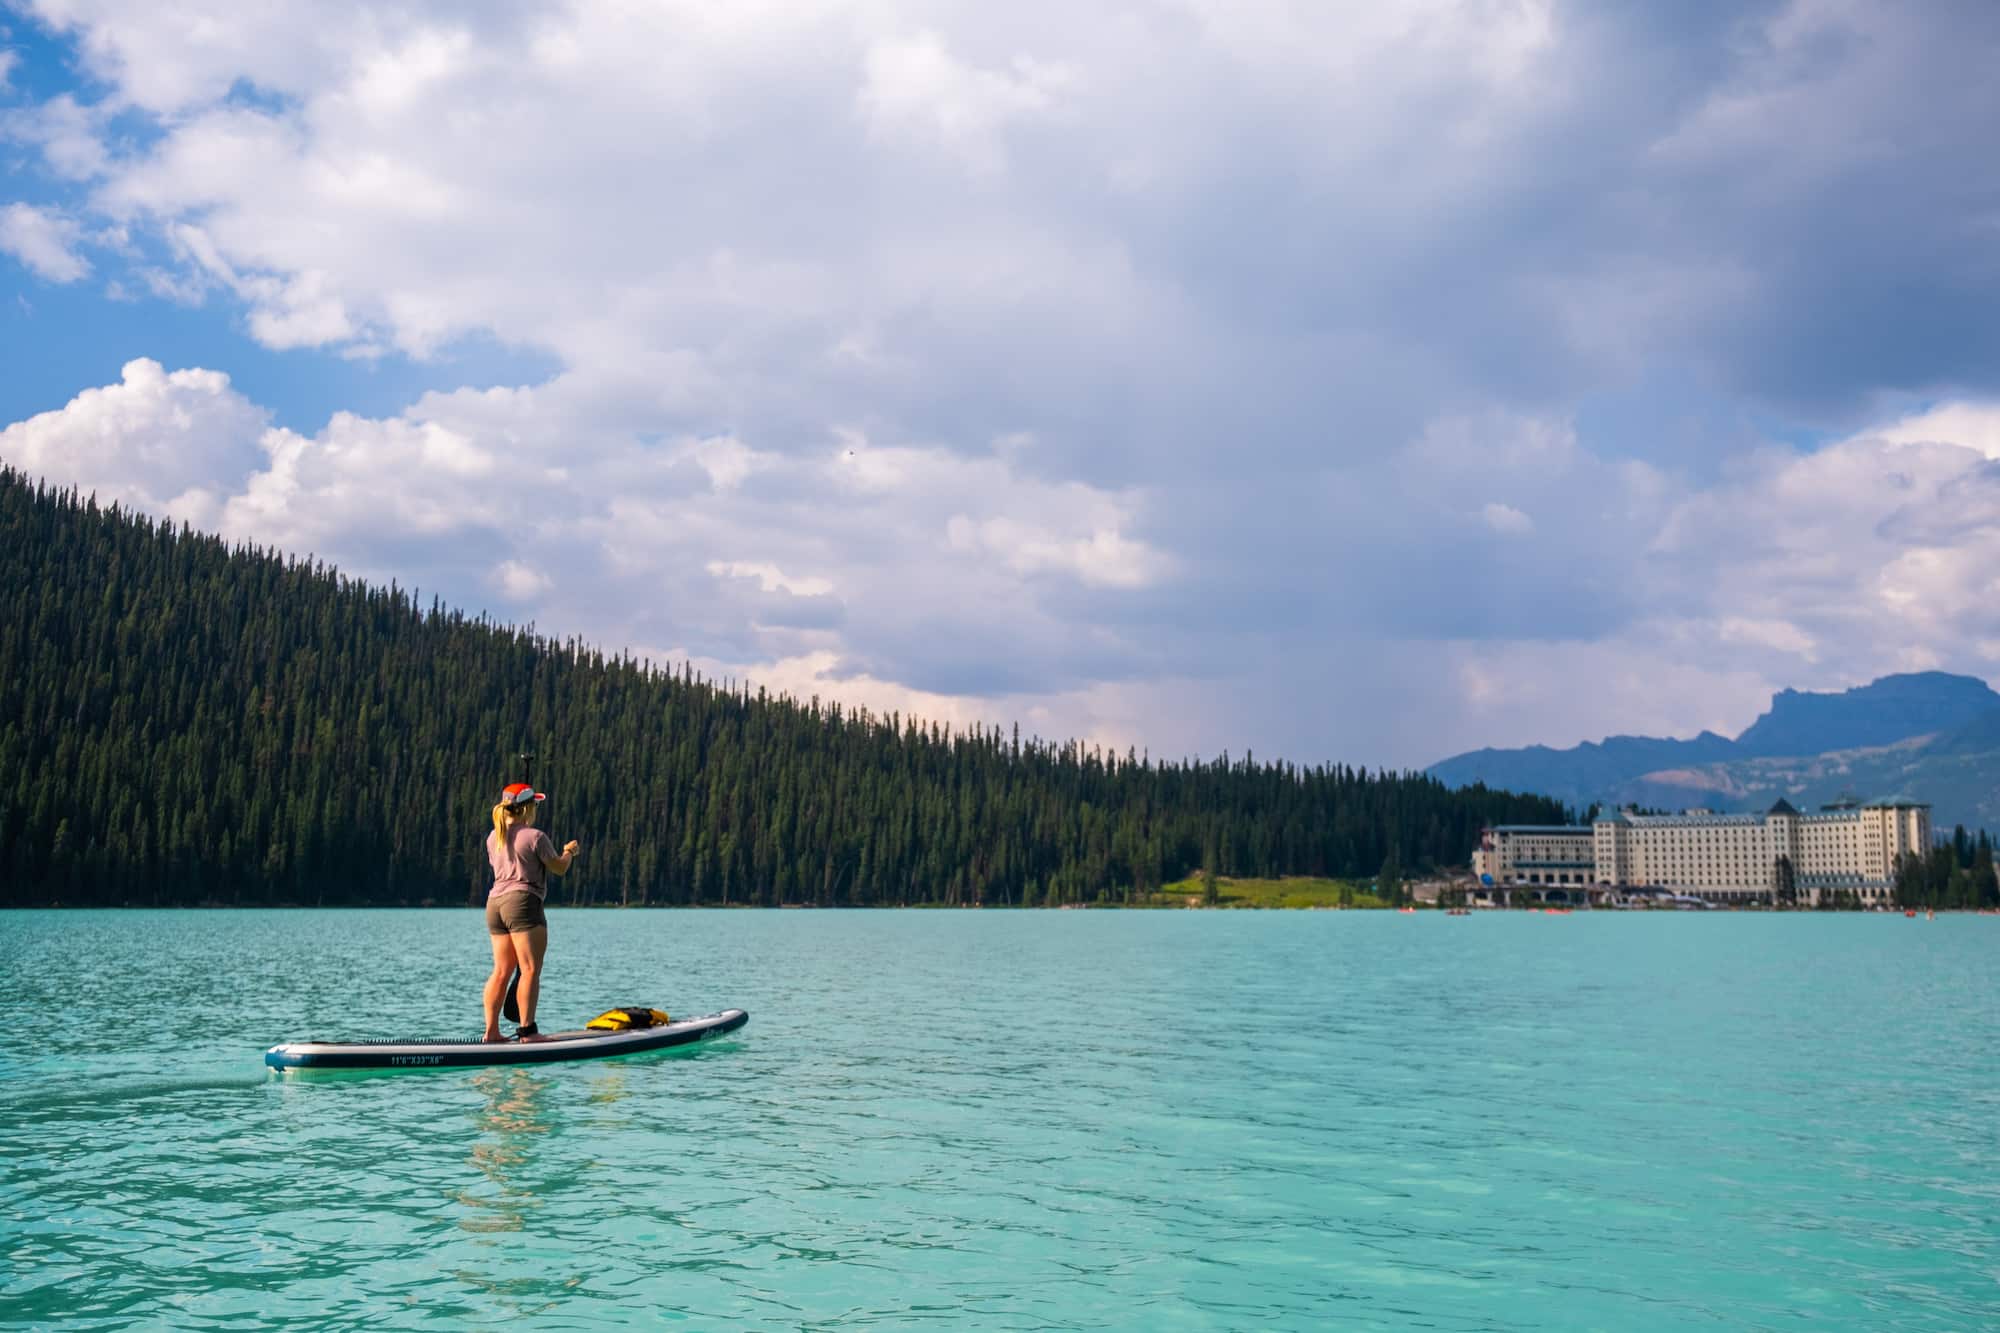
1891,709
1928,735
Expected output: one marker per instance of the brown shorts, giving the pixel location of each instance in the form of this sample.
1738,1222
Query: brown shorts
514,912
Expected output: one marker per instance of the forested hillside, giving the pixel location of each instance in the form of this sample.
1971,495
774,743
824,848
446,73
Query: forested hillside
182,722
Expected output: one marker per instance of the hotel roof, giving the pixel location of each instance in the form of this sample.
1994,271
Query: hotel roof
1692,821
1706,819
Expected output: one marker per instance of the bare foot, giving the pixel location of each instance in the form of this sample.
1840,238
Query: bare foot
493,1034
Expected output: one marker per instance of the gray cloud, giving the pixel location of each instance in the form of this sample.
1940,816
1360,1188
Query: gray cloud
1167,369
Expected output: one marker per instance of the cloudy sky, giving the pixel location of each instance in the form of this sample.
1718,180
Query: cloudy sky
1359,381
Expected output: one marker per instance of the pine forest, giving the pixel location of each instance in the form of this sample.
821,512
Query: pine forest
183,723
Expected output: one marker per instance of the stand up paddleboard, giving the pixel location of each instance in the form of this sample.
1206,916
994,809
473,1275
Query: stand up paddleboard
584,1044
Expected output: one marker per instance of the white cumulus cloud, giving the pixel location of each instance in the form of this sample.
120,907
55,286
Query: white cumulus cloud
910,576
169,443
1079,356
1101,556
519,582
1506,520
44,241
770,578
916,89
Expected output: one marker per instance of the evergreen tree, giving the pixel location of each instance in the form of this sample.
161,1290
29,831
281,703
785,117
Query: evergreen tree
183,722
1389,882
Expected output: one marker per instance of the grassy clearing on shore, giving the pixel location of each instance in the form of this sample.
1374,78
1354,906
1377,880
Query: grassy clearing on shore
1292,891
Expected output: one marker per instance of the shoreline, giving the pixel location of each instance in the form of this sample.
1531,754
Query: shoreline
1420,909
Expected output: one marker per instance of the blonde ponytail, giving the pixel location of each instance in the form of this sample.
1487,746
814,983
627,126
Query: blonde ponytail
500,824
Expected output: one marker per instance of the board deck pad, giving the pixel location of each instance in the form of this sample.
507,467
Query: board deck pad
582,1044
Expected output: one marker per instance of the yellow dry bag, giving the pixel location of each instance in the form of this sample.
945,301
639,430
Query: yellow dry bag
630,1016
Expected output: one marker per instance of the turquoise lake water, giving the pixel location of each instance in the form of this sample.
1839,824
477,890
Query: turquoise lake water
1015,1120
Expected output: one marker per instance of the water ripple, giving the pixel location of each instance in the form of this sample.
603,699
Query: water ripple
1016,1121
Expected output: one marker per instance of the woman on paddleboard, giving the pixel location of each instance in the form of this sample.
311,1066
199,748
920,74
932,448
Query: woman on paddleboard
522,857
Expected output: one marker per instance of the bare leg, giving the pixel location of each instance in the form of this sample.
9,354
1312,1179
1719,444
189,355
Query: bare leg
528,948
496,983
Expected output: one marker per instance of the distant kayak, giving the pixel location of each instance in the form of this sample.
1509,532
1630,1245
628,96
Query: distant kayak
582,1044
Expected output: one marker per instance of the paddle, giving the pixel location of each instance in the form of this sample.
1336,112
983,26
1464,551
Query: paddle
509,1006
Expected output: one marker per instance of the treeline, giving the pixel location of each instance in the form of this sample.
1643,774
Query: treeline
182,722
1957,874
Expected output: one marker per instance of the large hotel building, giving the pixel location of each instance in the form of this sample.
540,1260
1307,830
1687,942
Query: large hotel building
1847,849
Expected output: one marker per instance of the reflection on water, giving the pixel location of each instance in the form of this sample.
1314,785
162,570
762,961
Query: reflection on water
608,1086
512,1118
514,1125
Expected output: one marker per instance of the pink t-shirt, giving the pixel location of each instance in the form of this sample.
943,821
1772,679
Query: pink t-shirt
525,865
